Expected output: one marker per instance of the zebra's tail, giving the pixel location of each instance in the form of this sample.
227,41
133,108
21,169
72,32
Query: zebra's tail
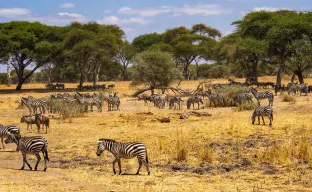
146,156
45,151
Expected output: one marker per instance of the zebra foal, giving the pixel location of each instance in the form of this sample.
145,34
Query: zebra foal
124,150
262,111
30,145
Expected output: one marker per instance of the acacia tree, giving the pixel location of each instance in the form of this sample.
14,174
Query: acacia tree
124,56
154,69
29,45
89,45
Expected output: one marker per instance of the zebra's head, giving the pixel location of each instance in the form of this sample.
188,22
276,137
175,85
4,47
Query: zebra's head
101,147
13,137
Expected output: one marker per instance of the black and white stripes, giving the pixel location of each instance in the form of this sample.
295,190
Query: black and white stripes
124,150
30,145
4,130
262,95
262,111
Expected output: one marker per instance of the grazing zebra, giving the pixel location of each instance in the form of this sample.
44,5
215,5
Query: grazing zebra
30,145
175,100
301,88
241,97
193,100
124,150
31,119
113,102
4,130
215,98
262,95
262,111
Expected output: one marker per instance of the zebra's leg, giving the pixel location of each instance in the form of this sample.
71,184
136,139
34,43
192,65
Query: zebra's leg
38,126
263,120
25,161
258,120
91,107
114,166
146,165
119,166
38,160
2,142
140,165
270,120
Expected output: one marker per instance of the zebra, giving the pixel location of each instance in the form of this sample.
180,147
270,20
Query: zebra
24,101
160,100
4,130
31,119
175,100
241,97
37,103
145,98
262,111
301,88
113,102
88,100
124,150
30,145
193,100
215,98
262,95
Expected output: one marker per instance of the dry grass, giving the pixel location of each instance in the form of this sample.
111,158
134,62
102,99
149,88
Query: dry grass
224,152
288,98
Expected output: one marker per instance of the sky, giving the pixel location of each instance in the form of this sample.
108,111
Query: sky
137,17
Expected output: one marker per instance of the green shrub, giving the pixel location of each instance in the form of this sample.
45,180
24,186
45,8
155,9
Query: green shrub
67,109
246,106
229,91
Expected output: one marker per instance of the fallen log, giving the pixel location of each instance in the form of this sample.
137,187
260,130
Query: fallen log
199,114
164,119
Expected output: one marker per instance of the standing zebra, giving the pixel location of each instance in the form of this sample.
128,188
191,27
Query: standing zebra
30,145
124,150
24,101
262,111
193,100
113,102
4,130
37,103
175,100
241,97
215,98
86,100
262,95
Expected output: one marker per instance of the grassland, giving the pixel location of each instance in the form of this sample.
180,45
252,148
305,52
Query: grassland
224,152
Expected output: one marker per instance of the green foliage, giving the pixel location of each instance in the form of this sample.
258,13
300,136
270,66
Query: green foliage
230,91
154,68
143,42
3,78
67,110
213,70
246,106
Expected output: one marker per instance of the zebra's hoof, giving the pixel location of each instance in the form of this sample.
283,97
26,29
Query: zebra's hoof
30,168
22,168
149,173
45,169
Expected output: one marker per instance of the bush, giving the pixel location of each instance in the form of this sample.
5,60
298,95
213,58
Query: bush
206,155
230,91
246,106
181,150
288,98
67,109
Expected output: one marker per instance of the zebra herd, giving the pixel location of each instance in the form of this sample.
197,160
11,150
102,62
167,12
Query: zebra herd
38,144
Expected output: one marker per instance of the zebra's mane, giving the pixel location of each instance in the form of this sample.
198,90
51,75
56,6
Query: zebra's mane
112,140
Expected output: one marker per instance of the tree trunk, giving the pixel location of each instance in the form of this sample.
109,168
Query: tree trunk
280,71
8,71
300,78
81,80
255,71
293,78
197,70
123,73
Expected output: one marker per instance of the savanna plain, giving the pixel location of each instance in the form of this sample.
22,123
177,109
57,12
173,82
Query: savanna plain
222,152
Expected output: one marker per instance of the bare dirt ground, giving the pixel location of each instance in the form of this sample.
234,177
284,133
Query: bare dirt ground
224,152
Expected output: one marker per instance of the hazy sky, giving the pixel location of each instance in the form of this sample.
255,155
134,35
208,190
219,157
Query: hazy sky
138,17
